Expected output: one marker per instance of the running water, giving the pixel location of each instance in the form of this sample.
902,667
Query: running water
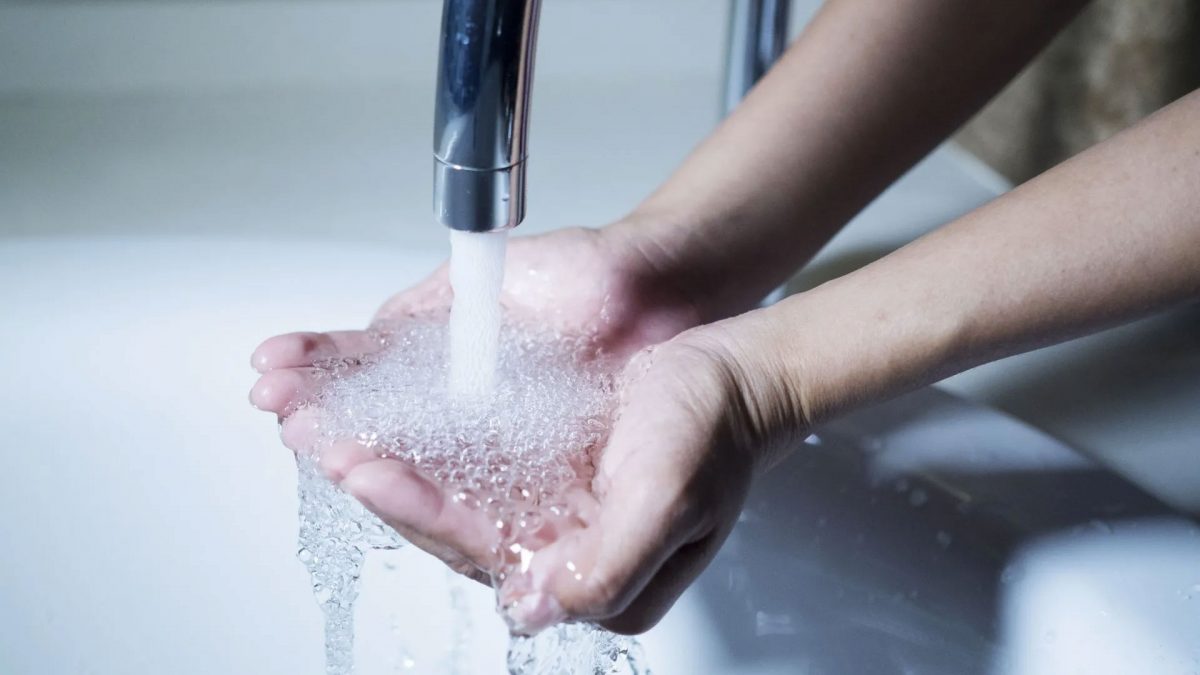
507,417
476,275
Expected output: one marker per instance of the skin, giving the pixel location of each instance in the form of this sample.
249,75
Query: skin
566,277
1106,237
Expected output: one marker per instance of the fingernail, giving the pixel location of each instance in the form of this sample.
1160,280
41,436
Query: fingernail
259,361
533,613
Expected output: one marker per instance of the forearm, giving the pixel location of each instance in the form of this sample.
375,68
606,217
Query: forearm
863,94
1104,238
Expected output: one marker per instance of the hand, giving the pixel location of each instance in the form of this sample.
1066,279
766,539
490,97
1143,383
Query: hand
565,278
694,428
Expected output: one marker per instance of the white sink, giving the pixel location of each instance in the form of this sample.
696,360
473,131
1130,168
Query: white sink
148,520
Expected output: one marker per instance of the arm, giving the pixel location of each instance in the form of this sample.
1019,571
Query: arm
869,89
1104,238
863,94
1101,239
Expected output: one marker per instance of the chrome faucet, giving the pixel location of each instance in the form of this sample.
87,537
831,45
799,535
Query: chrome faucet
481,113
757,37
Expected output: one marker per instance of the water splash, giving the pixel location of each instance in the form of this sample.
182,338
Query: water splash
334,536
576,649
513,456
476,275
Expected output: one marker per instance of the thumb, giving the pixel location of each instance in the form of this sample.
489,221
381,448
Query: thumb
596,571
654,477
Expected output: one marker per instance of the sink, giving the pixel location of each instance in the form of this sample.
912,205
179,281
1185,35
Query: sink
149,518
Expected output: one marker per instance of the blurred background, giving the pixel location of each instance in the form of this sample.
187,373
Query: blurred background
313,118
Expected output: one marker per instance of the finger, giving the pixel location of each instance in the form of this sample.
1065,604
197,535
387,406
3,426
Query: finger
596,572
301,430
280,391
409,502
657,494
294,350
341,457
338,460
672,579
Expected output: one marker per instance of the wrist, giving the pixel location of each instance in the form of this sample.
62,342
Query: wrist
860,339
765,402
658,259
718,265
726,258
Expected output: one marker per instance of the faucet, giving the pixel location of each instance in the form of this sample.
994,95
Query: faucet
757,37
481,111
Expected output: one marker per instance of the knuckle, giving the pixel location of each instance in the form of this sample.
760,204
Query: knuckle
397,478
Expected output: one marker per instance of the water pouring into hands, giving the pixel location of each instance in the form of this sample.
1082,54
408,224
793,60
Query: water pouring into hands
584,284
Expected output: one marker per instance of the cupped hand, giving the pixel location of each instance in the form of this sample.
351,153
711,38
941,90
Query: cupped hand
699,415
578,281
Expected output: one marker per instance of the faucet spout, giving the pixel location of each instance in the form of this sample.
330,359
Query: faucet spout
757,37
481,113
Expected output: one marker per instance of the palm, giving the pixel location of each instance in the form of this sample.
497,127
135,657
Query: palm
573,280
577,282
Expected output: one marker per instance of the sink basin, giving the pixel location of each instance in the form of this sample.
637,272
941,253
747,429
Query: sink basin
150,514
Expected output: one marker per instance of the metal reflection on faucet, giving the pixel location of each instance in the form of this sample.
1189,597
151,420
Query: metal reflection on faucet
481,114
757,38
485,73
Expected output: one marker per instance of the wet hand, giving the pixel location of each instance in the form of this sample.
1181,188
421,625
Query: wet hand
565,279
698,419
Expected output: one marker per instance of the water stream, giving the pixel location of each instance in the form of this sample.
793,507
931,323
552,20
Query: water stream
506,417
